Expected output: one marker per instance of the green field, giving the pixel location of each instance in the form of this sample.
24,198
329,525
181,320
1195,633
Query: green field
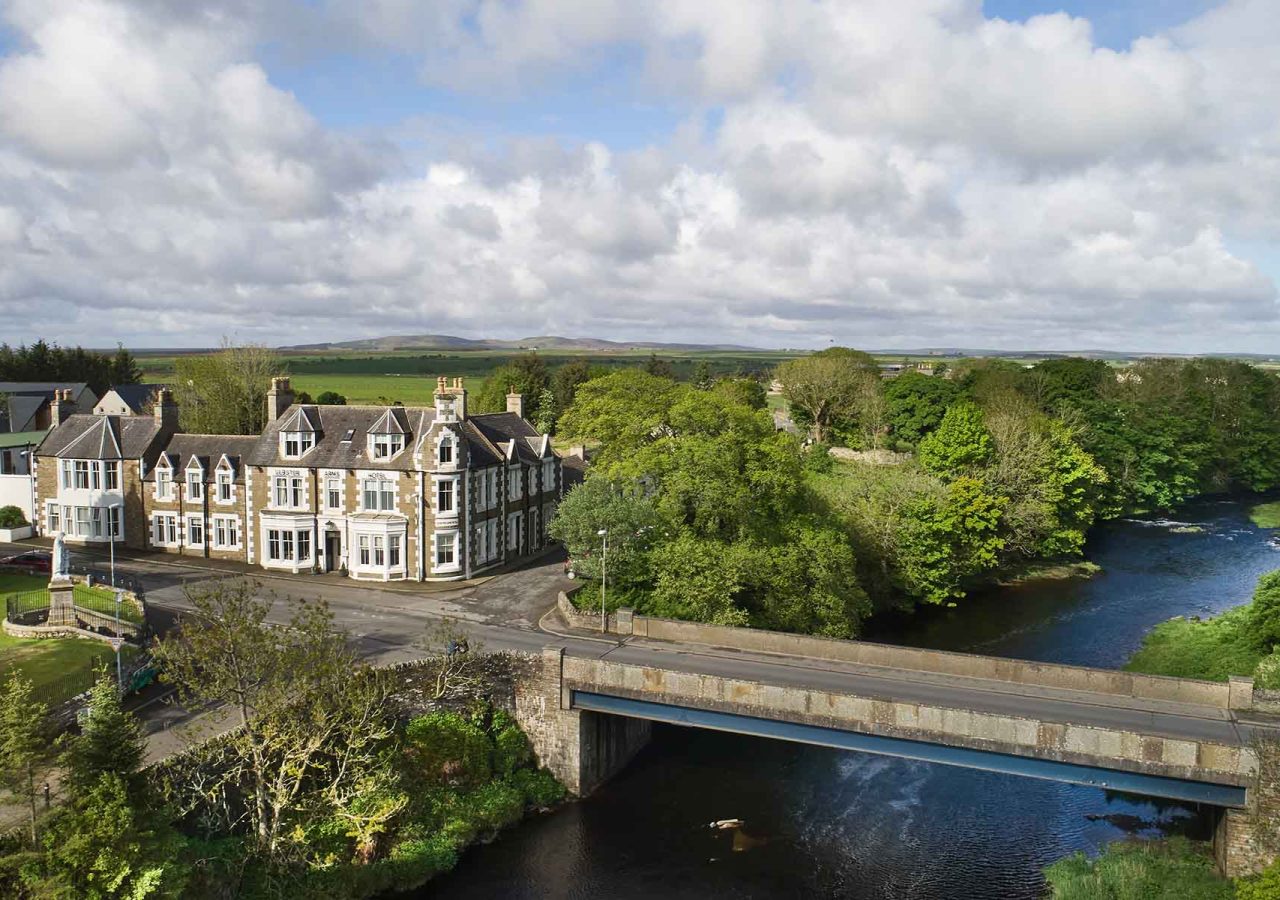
410,376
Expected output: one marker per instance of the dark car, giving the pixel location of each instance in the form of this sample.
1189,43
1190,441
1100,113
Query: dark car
37,562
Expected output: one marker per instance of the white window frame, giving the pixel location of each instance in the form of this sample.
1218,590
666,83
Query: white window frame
332,489
446,499
296,444
164,483
164,529
446,541
226,486
226,532
385,445
513,532
111,475
53,516
195,485
444,453
195,530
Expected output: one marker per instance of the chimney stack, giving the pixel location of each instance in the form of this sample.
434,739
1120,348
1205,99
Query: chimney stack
279,398
451,400
166,410
515,402
60,407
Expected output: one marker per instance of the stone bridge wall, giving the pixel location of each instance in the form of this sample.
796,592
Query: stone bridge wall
1236,694
581,748
1085,745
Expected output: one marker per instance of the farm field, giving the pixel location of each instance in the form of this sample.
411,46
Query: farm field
410,376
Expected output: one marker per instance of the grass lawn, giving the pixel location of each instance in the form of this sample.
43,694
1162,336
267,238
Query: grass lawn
12,584
58,668
1266,515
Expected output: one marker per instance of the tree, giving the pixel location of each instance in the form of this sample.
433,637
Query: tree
110,741
659,368
744,391
525,374
827,386
107,845
225,392
702,378
547,412
950,539
960,442
566,378
1264,613
331,398
25,754
124,368
916,404
314,720
623,411
631,519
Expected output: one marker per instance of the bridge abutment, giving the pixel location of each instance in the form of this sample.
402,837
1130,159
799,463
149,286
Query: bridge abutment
581,748
1246,841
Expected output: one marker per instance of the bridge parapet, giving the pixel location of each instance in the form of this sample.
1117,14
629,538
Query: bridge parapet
1235,694
1134,750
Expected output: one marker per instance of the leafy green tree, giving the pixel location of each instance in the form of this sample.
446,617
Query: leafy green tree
828,386
315,720
960,442
702,377
916,404
746,392
624,411
124,368
108,846
525,374
806,582
1264,614
25,752
631,519
566,378
698,579
110,741
331,398
547,412
659,368
225,392
951,539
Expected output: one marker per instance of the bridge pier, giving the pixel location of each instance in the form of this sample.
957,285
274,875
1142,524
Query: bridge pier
581,748
1246,841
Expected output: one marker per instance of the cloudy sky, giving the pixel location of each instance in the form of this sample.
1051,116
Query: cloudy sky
880,173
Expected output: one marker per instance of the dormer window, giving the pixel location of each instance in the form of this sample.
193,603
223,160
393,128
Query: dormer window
164,483
446,450
297,443
385,446
195,484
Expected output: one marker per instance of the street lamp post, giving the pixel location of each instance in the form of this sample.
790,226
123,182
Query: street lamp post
113,527
604,558
117,642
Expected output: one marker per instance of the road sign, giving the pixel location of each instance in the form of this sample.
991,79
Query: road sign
117,643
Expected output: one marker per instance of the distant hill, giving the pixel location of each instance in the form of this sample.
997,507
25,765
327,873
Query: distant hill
542,342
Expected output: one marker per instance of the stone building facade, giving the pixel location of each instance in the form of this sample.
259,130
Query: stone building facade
379,493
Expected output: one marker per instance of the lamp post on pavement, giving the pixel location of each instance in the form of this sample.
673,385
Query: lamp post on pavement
604,558
113,526
118,641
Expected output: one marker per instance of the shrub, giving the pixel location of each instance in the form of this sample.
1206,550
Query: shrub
12,517
1189,648
1263,886
539,787
448,748
510,746
331,398
1264,617
1267,675
1175,869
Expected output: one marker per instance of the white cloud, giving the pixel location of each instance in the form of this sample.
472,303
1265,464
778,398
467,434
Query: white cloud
882,172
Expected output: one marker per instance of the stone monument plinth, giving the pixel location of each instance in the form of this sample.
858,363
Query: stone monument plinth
62,607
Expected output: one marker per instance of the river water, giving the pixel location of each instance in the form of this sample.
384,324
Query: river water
827,823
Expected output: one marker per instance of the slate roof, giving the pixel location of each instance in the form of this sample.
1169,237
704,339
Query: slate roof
135,396
86,436
332,424
502,428
208,450
25,399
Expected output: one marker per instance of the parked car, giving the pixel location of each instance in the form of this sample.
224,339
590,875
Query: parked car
36,562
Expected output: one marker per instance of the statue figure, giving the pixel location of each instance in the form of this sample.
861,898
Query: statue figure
61,562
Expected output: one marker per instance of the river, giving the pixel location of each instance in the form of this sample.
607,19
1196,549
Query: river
827,823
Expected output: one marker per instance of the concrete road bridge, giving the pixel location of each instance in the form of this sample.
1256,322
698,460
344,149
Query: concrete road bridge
590,708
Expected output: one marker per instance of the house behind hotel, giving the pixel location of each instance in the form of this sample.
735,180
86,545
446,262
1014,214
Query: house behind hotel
379,492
